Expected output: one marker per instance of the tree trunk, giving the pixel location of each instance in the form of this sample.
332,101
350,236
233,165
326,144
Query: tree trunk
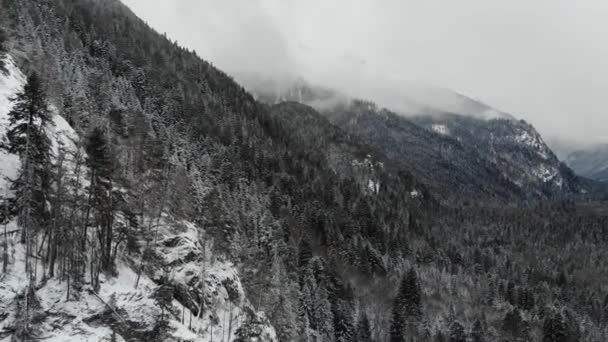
88,212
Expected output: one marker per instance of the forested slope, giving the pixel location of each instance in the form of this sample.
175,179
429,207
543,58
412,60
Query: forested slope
228,214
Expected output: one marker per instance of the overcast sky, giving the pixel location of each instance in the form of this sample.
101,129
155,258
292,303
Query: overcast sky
545,61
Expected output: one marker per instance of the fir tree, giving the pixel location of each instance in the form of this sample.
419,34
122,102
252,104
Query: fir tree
323,317
363,333
397,326
477,334
513,323
344,328
555,329
101,203
304,253
252,329
457,333
303,322
406,307
510,294
27,138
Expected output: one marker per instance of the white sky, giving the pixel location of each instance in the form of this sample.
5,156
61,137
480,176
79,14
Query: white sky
545,61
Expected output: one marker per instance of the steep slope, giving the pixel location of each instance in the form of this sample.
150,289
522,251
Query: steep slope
345,155
512,146
472,155
124,305
186,142
591,162
450,169
464,159
230,212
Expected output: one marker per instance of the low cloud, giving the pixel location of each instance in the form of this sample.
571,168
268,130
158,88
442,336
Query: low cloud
543,61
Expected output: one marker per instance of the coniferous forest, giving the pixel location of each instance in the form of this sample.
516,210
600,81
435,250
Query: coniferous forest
147,196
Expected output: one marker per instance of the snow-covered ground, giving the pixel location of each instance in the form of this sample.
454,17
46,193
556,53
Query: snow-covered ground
185,263
441,129
10,85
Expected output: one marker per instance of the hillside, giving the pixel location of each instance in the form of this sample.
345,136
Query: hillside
475,155
464,159
152,198
591,162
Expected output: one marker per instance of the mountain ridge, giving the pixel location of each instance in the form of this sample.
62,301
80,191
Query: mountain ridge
511,148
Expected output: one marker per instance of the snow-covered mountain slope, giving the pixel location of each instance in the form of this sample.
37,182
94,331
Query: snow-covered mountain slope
207,300
482,151
196,279
514,146
461,158
457,145
11,83
591,162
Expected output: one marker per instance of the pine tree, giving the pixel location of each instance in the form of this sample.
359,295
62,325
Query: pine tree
457,333
323,317
510,294
513,323
281,311
363,333
304,253
397,327
344,327
101,193
303,323
252,329
27,138
573,328
28,120
406,307
163,297
411,296
477,334
554,329
491,293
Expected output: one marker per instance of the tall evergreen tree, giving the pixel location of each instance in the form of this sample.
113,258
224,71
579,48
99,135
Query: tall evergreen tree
397,326
303,322
555,329
27,138
101,193
513,323
477,334
344,327
407,308
304,252
363,333
411,296
457,333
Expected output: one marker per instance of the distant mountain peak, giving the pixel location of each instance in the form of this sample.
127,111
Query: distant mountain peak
591,162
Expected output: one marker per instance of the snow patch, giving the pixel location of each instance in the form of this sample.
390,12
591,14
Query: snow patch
534,141
374,186
547,174
10,84
440,129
